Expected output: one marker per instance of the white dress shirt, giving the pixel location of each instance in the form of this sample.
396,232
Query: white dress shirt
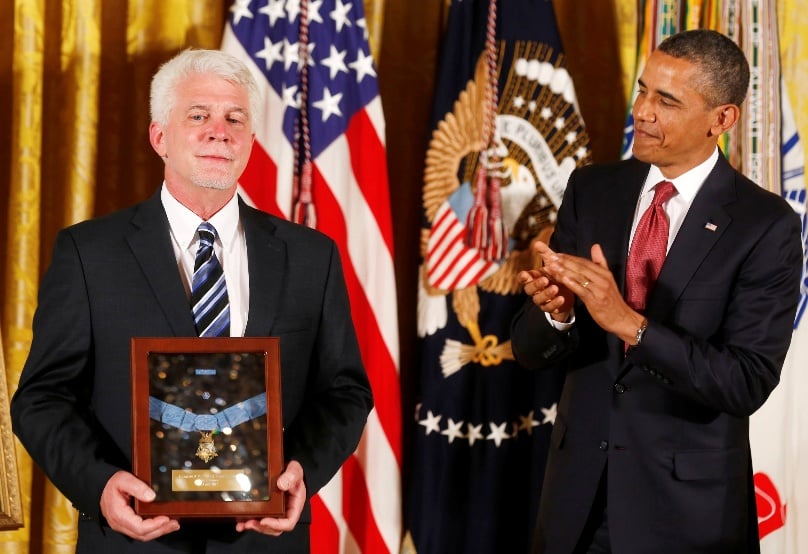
230,247
687,185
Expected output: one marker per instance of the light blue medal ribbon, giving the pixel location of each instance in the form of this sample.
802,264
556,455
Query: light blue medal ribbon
206,424
228,418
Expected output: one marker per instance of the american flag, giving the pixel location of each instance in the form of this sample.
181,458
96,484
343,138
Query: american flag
360,509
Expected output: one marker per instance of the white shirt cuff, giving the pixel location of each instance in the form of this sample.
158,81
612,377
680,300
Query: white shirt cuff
559,326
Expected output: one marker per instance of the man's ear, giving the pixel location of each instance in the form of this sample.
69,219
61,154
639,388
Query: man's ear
157,139
725,118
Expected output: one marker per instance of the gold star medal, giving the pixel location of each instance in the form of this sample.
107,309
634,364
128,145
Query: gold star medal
206,450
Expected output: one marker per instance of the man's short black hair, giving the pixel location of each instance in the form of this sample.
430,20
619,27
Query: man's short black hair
723,64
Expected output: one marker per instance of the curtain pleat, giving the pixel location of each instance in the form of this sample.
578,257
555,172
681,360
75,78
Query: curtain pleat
22,247
81,70
793,26
374,16
627,40
72,93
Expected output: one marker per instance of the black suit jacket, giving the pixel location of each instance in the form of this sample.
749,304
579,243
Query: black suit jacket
671,416
116,277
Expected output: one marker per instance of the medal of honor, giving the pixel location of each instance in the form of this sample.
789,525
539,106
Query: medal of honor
206,450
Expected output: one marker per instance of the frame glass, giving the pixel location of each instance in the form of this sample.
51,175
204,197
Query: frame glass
207,426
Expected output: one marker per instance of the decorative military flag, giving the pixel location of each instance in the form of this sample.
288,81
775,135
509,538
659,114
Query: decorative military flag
656,21
507,133
779,430
320,157
766,147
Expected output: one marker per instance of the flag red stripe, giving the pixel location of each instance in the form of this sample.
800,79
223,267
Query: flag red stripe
369,160
463,280
451,237
461,275
378,362
447,249
357,510
326,537
480,274
443,229
457,253
258,180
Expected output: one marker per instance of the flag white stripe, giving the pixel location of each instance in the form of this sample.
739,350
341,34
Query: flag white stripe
369,254
454,262
445,237
331,496
448,255
384,485
376,116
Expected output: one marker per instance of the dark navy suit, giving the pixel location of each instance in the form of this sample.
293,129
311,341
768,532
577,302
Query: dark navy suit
668,422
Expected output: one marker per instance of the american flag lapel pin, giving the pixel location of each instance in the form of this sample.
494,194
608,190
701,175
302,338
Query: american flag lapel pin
710,226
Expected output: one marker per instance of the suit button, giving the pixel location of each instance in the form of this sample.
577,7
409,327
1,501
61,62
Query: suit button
604,445
619,388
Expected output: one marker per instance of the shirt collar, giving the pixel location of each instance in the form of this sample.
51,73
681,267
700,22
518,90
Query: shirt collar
688,183
184,222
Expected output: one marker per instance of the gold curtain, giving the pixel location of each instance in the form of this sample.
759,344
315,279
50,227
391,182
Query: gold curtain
793,27
76,76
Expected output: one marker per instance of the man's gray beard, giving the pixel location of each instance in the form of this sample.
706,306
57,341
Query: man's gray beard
222,183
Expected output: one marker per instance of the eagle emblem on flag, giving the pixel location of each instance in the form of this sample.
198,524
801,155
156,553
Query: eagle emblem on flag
539,140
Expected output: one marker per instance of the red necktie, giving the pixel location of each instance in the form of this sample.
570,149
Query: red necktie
648,249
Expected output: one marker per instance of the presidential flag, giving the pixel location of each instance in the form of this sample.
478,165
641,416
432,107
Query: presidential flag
320,158
482,422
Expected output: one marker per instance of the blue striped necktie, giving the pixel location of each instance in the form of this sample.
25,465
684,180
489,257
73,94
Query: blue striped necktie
209,300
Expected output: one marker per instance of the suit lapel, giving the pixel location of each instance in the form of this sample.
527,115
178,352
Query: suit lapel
151,245
706,221
266,257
